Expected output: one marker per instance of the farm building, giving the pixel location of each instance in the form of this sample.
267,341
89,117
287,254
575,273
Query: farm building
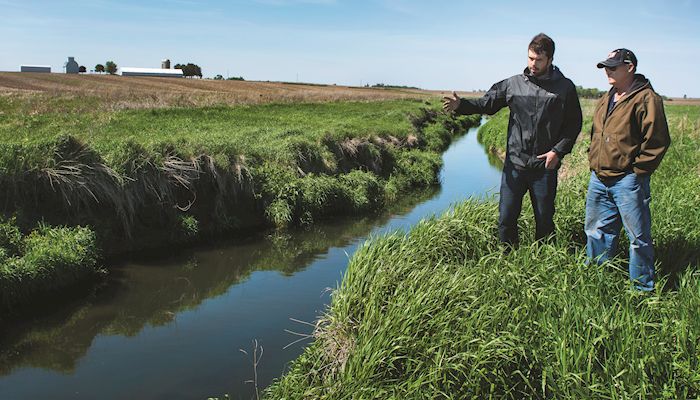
34,68
162,72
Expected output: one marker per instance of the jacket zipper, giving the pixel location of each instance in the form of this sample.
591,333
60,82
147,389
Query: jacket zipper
537,115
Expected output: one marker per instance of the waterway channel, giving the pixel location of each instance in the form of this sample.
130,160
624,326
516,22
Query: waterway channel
173,326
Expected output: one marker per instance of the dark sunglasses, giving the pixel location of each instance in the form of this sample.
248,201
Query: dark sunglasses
616,67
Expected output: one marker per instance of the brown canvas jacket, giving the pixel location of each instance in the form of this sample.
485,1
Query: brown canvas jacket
633,137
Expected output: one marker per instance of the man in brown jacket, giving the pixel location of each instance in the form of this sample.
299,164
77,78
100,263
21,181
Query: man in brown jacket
629,138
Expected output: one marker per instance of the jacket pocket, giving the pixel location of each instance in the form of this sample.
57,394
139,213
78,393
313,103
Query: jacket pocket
612,157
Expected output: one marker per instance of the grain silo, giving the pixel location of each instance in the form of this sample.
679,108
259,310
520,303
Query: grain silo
71,66
165,64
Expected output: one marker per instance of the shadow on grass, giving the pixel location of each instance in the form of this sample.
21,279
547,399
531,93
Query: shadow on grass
675,258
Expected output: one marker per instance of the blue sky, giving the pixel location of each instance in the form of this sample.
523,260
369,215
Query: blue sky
461,45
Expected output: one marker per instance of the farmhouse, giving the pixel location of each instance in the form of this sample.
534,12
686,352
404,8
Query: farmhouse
35,68
161,72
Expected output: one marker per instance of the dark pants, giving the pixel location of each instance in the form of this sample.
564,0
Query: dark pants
542,185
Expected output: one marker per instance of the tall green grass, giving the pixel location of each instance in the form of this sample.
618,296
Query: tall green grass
444,312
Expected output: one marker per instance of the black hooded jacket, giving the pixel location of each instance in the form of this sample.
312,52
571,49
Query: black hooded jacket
545,115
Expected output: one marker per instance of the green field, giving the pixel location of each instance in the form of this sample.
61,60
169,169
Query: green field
443,312
143,178
254,131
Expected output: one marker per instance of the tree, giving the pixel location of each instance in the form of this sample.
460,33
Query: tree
82,69
197,71
218,77
99,68
189,70
111,67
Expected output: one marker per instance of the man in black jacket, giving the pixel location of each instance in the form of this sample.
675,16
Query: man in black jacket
545,119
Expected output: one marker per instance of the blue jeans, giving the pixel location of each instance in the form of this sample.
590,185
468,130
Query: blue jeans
542,185
622,201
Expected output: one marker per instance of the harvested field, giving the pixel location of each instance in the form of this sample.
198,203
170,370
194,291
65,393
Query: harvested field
44,92
117,92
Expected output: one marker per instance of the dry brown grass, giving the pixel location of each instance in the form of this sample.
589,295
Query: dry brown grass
683,102
113,92
337,342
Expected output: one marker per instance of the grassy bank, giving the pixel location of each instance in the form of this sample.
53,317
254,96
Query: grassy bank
442,312
187,170
145,178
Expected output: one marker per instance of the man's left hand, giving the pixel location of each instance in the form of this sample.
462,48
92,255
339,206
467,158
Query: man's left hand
551,159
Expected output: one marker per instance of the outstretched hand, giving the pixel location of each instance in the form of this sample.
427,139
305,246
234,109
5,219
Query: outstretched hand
450,103
551,159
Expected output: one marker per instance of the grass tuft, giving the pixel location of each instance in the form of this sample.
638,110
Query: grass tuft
48,260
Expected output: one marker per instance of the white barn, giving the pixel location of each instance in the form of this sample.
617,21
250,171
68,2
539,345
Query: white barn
35,68
161,72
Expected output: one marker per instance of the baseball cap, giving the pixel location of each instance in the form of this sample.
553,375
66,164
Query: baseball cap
619,57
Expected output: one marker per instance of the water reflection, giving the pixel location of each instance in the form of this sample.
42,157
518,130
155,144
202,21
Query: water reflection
143,293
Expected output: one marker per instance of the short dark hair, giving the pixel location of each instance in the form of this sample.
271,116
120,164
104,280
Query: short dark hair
542,43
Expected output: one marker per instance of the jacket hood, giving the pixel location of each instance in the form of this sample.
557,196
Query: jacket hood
554,74
639,82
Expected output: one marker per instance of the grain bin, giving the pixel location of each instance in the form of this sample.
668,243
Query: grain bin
72,67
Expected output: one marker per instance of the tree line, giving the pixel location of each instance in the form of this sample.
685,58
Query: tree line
220,77
589,93
188,70
109,67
